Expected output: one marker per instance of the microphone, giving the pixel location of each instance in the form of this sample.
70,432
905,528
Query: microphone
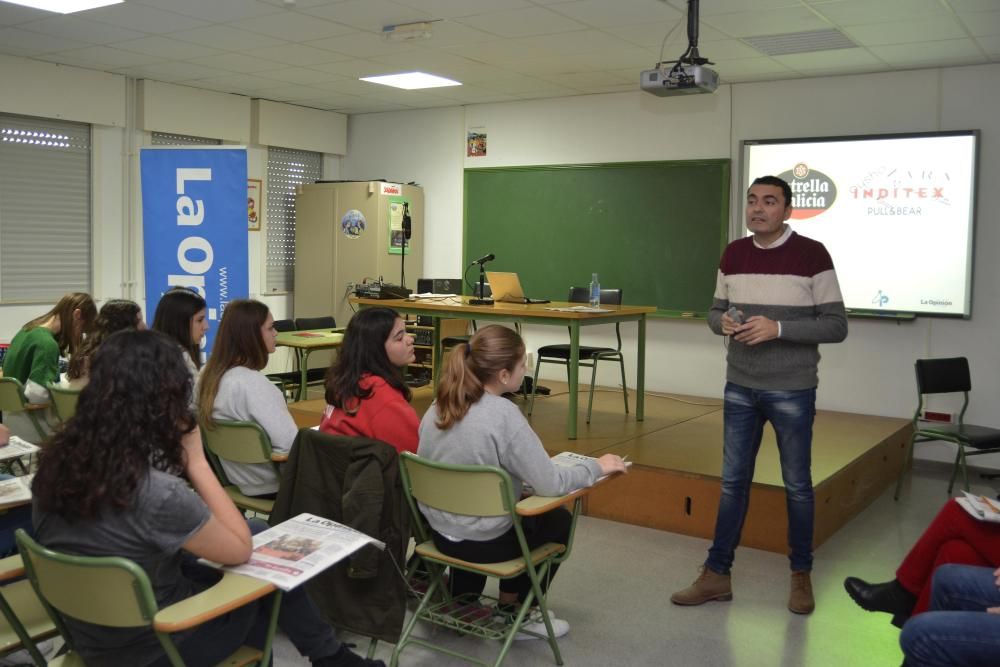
407,221
485,258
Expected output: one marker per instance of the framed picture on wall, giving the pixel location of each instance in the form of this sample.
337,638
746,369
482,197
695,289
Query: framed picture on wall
255,203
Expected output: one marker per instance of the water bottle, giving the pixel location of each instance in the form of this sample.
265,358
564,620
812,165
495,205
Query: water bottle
595,292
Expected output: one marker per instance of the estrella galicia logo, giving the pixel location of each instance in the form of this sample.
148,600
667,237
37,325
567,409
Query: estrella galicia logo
812,191
880,299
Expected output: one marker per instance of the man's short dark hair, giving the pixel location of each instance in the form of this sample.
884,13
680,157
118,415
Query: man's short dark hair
778,183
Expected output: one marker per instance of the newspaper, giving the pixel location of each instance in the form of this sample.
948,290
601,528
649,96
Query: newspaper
17,448
980,507
580,309
569,459
297,550
16,490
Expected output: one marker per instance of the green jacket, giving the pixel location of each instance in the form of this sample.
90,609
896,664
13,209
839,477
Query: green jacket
33,355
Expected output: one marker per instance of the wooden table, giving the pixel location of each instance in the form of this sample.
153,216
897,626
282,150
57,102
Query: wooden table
459,308
304,343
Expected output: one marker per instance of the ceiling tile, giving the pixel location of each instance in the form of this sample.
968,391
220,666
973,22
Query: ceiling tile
371,15
215,11
298,54
767,22
362,45
15,14
300,4
164,47
603,14
857,12
236,82
143,18
848,59
500,52
346,86
715,7
290,93
448,9
973,5
292,26
226,38
237,62
579,41
901,32
929,54
299,75
737,70
177,71
357,68
990,44
26,41
652,34
108,57
522,22
981,23
73,27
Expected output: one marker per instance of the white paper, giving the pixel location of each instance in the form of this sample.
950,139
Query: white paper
17,448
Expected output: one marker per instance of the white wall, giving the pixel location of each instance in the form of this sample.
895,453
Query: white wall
872,372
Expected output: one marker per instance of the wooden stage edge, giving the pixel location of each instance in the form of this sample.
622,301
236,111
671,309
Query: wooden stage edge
676,451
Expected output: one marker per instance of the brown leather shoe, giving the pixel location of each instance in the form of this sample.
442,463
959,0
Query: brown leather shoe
800,599
708,586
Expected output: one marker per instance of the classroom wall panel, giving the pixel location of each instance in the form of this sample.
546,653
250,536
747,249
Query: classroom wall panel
291,126
35,88
165,107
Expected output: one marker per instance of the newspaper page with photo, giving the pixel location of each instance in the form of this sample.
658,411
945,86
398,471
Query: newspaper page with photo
16,490
17,448
296,550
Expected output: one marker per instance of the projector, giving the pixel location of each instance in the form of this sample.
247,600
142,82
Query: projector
684,80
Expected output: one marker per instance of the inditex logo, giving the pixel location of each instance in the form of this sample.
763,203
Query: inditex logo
812,191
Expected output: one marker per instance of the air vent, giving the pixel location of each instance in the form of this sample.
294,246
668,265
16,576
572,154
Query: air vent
800,42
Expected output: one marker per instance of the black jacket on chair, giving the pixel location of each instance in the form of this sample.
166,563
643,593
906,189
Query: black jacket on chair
354,481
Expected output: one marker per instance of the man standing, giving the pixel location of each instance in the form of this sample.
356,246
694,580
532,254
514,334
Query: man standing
777,298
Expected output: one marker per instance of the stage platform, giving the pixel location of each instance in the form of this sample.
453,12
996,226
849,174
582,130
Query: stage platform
677,458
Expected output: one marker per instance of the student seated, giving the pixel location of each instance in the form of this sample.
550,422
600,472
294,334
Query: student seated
471,423
365,392
110,485
962,627
182,315
952,537
115,315
232,388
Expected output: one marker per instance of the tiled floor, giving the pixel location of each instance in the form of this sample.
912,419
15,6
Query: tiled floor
615,590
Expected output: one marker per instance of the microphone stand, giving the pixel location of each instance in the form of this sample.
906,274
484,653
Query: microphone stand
481,300
407,230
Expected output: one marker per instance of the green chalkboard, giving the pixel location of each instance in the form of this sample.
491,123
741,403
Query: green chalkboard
654,229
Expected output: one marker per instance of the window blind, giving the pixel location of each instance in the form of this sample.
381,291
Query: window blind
45,221
168,139
286,169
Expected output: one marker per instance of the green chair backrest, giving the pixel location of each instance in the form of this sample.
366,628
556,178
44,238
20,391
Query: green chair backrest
11,395
239,442
459,489
63,400
107,590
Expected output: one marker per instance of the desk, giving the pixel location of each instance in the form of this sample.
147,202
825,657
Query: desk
459,308
304,343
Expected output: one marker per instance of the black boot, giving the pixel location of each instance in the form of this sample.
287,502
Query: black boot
889,597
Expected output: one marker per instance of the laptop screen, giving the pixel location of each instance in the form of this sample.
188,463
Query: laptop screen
505,286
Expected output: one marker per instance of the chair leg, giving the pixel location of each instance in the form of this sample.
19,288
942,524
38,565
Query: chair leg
621,364
907,457
593,383
959,462
534,386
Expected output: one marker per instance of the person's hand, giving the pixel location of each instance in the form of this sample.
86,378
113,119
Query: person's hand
993,610
194,453
729,325
611,463
758,329
4,435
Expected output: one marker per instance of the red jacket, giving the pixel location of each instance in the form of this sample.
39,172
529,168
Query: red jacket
385,416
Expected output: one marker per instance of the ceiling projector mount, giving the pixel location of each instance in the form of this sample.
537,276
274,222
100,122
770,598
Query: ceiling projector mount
688,74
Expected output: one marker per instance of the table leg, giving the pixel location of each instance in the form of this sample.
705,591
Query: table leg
640,372
574,377
436,370
303,375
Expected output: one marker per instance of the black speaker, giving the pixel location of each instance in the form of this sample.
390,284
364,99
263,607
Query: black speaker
439,285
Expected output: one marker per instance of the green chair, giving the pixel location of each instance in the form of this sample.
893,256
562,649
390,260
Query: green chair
25,620
589,356
238,442
116,592
12,400
948,376
475,491
63,400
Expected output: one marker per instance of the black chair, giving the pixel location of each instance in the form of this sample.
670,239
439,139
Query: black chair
288,381
305,323
948,376
589,356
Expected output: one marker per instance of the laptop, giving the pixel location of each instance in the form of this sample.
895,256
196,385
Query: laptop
506,287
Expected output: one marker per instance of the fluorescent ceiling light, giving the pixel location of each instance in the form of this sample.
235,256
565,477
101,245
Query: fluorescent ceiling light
411,80
65,6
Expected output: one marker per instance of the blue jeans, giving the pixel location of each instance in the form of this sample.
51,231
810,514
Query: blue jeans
956,631
745,412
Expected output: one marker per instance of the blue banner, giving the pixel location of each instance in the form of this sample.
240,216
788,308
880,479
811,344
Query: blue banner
194,221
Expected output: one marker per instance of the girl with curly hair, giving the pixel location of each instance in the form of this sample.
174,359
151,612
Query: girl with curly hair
111,485
365,392
115,315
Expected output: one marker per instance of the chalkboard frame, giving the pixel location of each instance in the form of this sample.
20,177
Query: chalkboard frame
489,226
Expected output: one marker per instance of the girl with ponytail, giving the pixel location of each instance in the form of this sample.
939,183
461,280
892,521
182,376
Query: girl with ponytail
471,423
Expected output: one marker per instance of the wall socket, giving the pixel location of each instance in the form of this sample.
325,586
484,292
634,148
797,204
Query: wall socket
937,416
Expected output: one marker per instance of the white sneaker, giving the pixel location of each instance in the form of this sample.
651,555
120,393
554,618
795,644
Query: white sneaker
534,623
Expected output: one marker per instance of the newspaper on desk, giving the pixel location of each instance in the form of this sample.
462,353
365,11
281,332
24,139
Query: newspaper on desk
569,459
297,550
579,309
17,448
16,490
980,507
